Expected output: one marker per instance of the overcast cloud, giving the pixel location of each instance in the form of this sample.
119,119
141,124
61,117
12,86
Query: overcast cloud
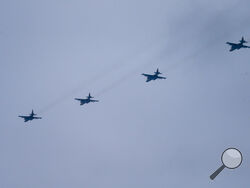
168,133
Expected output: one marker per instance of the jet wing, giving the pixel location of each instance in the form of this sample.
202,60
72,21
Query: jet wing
149,79
37,117
232,44
160,77
82,101
243,46
78,99
94,100
147,75
24,117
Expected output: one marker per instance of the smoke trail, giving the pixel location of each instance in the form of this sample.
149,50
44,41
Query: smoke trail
84,85
91,81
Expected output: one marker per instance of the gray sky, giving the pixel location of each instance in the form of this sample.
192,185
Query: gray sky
168,133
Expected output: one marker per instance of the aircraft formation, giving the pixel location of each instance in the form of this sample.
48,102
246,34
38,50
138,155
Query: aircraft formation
149,77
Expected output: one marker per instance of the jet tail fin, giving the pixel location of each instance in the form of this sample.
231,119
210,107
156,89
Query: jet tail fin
89,96
32,113
158,72
242,41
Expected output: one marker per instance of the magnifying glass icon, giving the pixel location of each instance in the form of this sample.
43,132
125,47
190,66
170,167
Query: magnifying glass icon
231,158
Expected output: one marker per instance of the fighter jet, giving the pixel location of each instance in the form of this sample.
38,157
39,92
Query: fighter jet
30,117
87,100
238,46
153,77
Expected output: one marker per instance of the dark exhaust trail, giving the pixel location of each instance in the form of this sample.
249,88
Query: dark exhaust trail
108,71
128,76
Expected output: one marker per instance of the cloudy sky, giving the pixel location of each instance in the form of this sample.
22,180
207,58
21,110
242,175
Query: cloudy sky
167,133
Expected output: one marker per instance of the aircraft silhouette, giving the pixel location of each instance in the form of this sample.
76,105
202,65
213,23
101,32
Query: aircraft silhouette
30,117
87,100
237,46
153,77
